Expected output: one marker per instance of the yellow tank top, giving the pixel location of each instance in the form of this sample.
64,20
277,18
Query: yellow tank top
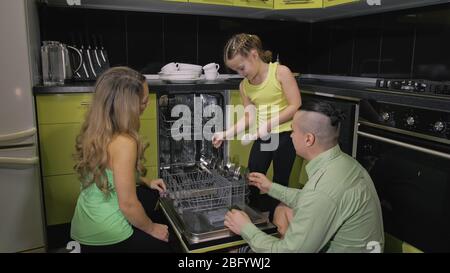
269,99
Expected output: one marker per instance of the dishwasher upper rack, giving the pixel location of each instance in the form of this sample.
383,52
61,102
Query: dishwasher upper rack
202,190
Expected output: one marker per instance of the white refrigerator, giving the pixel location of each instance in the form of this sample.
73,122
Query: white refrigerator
21,206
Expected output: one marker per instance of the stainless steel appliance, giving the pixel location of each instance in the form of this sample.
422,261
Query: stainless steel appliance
21,206
406,150
202,184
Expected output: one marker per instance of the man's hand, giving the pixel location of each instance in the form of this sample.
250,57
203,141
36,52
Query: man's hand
235,220
217,139
260,181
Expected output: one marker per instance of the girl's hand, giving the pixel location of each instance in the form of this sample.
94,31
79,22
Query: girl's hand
158,184
264,131
260,181
217,139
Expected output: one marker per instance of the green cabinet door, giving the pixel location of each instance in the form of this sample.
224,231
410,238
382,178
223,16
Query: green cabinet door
150,111
62,108
57,145
149,134
60,196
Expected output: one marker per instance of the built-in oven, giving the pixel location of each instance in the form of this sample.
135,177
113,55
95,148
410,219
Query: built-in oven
202,184
406,150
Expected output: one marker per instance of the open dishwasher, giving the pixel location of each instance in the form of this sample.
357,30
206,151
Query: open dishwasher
202,185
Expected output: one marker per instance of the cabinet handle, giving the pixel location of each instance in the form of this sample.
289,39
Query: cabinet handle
18,135
85,103
297,1
19,160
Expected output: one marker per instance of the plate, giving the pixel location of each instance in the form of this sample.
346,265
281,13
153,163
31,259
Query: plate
180,80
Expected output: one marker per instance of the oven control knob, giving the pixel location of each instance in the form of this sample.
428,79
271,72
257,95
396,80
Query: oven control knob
385,116
438,126
410,120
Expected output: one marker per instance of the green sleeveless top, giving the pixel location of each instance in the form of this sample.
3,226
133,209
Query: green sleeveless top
267,95
97,219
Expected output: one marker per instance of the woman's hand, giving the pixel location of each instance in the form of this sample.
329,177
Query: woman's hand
160,232
260,181
158,184
217,139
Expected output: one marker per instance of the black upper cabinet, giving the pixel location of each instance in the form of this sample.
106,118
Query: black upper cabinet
341,48
432,54
397,45
366,50
145,42
213,34
180,39
108,26
320,48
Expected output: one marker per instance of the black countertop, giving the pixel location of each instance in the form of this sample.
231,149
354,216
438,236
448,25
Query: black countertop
154,86
356,90
364,91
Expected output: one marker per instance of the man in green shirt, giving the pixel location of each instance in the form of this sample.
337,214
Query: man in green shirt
338,209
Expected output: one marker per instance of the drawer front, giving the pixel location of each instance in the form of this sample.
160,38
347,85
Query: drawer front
57,145
264,4
60,194
297,4
62,108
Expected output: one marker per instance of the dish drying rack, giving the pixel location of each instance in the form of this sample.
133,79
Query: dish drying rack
203,190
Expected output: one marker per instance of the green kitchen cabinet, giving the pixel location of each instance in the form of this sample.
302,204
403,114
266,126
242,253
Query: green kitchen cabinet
149,134
60,196
150,111
62,108
214,2
264,4
60,117
330,3
297,4
57,145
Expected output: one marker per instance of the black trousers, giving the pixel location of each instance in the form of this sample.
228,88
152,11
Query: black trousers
259,161
139,241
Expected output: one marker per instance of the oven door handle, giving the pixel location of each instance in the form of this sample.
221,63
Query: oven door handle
405,145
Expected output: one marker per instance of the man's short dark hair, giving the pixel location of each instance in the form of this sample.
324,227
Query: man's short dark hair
336,115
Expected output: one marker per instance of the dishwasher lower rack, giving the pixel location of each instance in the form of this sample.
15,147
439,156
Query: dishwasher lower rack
203,190
197,200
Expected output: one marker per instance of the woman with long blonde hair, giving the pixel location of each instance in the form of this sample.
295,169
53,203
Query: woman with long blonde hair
110,215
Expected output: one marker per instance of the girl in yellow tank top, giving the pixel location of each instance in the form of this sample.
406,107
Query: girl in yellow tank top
273,91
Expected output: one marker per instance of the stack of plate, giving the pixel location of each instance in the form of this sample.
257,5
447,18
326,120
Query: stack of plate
180,73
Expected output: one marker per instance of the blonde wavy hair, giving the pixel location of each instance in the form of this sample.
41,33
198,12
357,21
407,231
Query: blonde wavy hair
115,109
242,43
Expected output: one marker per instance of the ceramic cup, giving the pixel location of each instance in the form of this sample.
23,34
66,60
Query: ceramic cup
211,66
211,74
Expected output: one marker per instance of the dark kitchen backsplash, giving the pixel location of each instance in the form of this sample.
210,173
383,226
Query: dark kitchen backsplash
410,43
146,41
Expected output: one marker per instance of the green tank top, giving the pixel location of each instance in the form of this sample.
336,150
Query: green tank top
97,219
267,95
